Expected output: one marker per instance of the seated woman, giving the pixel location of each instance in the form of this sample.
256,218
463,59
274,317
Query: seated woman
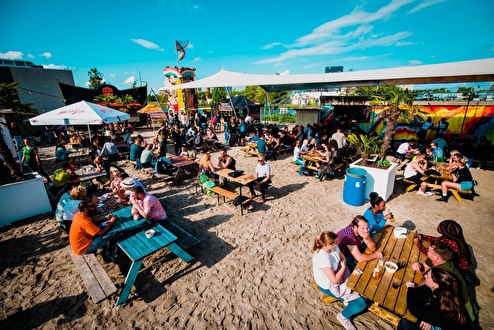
206,165
353,241
325,166
331,275
273,144
75,140
375,213
452,236
61,154
462,180
454,155
70,208
414,172
437,304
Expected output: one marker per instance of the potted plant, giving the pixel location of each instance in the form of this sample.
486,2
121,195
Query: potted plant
381,175
364,145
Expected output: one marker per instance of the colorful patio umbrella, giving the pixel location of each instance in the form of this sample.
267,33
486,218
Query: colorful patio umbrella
150,108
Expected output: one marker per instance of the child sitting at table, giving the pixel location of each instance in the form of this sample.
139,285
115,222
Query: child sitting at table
331,275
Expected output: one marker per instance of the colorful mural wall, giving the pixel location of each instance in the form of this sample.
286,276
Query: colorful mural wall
474,121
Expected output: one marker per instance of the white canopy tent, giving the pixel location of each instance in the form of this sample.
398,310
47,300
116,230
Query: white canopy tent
80,113
465,71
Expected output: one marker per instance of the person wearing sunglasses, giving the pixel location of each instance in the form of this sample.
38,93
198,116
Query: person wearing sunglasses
263,179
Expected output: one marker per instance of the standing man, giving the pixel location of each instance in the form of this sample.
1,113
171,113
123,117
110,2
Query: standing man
177,139
263,179
162,137
146,205
85,236
339,137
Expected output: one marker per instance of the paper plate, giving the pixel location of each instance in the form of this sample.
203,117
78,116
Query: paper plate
400,232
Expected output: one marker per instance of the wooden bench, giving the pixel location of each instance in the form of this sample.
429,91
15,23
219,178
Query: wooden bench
457,193
411,186
184,239
97,281
325,299
283,150
223,192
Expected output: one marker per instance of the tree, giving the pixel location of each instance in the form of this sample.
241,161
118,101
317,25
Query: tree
397,106
95,78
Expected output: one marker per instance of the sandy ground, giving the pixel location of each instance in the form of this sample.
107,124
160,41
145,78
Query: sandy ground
251,271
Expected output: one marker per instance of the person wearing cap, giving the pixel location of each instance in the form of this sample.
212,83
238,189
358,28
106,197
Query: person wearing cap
126,185
146,205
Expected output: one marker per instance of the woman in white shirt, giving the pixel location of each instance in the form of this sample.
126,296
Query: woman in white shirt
331,274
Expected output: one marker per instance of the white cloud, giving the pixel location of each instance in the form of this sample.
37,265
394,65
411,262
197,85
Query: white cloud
30,55
414,62
271,45
129,80
404,43
147,44
112,75
284,73
46,55
328,38
425,4
54,66
313,65
12,55
197,59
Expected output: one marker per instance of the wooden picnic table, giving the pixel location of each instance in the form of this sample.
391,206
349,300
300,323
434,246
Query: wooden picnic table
389,302
138,246
250,149
186,168
88,173
242,180
82,155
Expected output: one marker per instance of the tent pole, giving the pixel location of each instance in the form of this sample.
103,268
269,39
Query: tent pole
231,102
89,130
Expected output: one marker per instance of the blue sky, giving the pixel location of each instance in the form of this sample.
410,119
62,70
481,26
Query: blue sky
127,40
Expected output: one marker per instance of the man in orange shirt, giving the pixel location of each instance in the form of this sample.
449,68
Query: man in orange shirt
85,236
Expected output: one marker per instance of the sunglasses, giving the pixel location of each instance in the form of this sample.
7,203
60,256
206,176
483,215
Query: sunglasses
260,160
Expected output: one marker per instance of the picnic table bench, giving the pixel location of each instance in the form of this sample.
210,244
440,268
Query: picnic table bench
96,280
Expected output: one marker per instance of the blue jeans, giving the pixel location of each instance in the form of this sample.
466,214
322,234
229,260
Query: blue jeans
99,242
302,164
351,263
354,307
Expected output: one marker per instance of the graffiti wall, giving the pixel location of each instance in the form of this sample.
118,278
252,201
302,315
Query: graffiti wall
474,121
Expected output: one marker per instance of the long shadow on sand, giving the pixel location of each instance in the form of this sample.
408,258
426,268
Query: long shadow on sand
71,307
25,249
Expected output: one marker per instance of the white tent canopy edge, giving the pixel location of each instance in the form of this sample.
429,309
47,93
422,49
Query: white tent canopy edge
464,71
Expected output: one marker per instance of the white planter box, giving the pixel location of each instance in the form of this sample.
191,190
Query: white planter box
22,200
378,180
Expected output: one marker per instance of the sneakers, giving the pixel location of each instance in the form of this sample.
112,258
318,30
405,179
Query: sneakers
346,323
427,193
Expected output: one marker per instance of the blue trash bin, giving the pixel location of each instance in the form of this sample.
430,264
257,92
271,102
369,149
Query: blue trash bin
354,186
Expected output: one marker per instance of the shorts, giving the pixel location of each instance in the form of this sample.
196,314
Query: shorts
466,185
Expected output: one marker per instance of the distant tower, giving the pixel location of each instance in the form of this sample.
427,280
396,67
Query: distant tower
332,69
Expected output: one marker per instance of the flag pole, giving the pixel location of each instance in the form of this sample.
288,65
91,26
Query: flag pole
176,53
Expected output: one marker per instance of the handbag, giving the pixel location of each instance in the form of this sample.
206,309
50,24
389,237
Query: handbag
236,173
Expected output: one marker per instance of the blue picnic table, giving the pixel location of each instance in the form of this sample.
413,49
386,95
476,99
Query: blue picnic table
138,246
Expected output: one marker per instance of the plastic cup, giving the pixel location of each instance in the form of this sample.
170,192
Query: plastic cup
149,233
